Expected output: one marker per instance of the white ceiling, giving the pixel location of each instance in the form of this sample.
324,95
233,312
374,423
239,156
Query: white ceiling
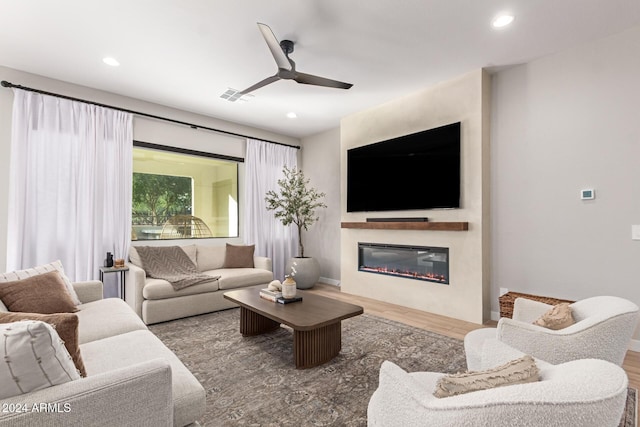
185,54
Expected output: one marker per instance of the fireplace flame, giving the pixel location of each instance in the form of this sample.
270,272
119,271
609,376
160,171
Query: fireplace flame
405,273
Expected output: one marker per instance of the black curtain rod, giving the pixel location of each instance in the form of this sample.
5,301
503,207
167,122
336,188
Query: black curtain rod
5,83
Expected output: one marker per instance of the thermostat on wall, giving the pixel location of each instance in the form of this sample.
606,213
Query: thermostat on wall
588,194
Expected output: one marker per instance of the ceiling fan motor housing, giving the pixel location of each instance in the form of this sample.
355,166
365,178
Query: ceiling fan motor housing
287,46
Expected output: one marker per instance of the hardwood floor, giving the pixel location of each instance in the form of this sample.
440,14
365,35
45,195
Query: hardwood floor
441,324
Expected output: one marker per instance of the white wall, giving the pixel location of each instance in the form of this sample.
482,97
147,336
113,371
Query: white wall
560,124
321,164
145,129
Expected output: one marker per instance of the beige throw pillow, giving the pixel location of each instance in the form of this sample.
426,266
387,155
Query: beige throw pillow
12,276
44,293
34,358
518,371
558,317
65,324
239,256
210,257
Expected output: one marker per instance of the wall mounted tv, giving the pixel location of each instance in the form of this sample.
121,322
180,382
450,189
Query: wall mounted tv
416,171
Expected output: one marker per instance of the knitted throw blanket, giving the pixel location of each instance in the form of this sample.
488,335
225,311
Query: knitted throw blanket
172,264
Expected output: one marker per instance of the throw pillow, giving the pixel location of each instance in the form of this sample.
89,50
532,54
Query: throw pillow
518,371
44,293
210,257
34,358
41,269
558,317
65,324
239,256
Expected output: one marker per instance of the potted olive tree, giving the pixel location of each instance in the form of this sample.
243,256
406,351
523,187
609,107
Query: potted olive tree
296,203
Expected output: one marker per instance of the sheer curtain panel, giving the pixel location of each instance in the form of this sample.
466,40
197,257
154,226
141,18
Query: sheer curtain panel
70,188
263,168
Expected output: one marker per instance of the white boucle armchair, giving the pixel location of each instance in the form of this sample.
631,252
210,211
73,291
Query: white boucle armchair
603,328
580,393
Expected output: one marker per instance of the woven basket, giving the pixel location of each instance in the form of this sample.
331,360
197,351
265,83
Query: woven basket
507,300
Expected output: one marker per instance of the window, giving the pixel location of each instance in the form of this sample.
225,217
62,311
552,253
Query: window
183,196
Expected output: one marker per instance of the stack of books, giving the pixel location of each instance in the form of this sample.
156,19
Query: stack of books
283,300
270,295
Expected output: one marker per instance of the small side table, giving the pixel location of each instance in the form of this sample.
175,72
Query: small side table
121,270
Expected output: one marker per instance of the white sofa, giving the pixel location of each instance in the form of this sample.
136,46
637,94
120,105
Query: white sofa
132,378
580,393
602,330
155,300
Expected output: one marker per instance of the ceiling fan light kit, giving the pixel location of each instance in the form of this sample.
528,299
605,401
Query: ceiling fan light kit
287,67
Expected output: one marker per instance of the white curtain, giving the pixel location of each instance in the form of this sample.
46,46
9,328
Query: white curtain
263,167
70,188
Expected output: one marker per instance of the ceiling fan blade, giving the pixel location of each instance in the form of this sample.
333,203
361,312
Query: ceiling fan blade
274,47
261,84
310,79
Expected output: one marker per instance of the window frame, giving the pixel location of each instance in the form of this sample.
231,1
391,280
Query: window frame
189,152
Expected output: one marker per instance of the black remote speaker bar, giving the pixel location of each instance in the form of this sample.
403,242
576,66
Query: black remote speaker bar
403,219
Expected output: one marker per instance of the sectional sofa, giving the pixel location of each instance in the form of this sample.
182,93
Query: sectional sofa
132,378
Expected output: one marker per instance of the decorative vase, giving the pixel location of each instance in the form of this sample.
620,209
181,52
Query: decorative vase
288,288
307,271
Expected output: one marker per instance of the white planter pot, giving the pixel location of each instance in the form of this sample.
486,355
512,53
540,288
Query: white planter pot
307,271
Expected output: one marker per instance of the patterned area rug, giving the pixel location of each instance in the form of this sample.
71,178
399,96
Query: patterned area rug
253,382
630,414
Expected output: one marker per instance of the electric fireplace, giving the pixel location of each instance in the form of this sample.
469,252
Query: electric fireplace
412,262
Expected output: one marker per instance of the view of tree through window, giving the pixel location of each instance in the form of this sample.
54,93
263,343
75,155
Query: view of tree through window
156,198
183,196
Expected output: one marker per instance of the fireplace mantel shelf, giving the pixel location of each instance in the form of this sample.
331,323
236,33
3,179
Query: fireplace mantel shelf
418,225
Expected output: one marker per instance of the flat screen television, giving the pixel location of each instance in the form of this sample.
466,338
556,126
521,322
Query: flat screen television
411,172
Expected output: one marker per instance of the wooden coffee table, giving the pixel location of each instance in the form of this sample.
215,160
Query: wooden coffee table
316,322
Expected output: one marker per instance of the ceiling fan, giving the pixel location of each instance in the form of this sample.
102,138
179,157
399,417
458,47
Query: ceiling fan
286,66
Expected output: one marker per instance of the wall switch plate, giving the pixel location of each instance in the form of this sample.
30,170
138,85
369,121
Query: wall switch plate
503,291
635,232
588,194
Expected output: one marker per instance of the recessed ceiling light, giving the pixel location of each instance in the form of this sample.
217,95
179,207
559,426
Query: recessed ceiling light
292,115
110,61
502,20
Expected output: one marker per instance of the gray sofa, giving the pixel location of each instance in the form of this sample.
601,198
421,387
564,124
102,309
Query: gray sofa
155,300
132,378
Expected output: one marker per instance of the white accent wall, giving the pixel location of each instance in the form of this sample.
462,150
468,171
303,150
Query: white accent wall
464,99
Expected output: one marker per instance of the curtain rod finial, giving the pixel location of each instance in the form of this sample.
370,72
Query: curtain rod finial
5,83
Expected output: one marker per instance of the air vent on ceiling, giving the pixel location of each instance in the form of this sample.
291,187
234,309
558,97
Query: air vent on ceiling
233,95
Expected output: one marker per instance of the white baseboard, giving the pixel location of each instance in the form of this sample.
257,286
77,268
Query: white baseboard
328,281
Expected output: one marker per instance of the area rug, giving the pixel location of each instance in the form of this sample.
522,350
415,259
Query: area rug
253,381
